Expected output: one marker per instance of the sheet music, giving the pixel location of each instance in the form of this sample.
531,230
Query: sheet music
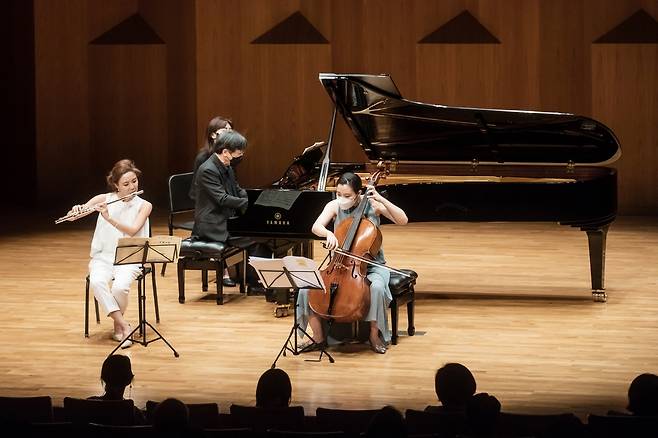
277,198
162,249
304,272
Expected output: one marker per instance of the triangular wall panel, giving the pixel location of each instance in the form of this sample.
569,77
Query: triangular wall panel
296,29
639,28
132,30
462,29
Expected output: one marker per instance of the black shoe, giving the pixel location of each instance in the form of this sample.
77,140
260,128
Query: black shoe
257,289
228,282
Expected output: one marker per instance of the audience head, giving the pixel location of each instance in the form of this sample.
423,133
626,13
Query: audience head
643,395
116,373
387,422
482,411
274,389
171,417
454,385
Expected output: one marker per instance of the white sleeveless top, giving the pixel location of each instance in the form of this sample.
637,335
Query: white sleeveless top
106,237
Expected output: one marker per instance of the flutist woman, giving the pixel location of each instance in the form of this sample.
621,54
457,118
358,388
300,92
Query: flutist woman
126,218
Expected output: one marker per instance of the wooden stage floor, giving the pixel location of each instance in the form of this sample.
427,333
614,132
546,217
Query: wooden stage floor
510,301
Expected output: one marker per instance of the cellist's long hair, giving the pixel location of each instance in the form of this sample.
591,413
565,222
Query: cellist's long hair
352,180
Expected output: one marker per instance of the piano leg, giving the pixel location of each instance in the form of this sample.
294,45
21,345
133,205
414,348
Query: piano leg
596,239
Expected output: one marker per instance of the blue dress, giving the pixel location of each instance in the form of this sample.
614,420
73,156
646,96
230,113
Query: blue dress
380,294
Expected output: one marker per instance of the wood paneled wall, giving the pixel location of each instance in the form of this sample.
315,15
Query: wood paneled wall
546,60
99,103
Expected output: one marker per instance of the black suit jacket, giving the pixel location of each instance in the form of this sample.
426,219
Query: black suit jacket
218,198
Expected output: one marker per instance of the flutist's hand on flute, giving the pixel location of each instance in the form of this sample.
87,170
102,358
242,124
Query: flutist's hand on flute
96,203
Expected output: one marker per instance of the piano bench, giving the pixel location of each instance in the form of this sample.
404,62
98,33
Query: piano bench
204,256
402,291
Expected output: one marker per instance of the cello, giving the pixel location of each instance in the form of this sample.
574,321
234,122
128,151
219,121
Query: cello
347,297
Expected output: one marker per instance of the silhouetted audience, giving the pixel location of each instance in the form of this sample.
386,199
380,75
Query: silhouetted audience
643,395
274,389
388,422
454,385
172,419
482,412
116,375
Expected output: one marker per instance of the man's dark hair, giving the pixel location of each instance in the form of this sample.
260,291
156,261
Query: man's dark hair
230,140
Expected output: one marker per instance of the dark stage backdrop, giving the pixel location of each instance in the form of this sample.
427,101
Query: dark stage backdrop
142,78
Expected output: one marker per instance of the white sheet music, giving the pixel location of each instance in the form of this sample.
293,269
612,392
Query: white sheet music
304,272
162,249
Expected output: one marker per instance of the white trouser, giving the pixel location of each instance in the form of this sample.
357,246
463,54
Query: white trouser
115,298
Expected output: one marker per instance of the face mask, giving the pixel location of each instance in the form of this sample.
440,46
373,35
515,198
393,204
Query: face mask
235,160
345,203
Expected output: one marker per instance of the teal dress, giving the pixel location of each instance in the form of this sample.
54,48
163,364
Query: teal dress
380,294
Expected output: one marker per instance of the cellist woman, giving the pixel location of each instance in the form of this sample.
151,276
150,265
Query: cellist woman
337,210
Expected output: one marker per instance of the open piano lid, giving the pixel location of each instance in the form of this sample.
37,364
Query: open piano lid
389,127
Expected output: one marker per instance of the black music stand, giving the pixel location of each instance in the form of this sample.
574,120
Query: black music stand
294,280
141,250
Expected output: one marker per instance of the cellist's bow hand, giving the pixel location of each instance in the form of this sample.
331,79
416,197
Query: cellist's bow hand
332,242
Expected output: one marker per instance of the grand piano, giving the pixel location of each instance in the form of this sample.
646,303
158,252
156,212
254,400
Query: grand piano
465,164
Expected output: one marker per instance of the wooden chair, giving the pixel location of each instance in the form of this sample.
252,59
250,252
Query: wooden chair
403,292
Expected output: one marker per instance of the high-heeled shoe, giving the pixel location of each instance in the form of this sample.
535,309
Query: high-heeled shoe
377,347
119,336
309,346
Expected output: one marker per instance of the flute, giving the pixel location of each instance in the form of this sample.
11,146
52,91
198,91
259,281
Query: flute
89,210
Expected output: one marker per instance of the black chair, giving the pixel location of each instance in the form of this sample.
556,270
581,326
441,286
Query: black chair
237,432
262,419
180,204
524,425
204,256
446,424
109,412
613,426
109,431
351,421
202,415
403,292
22,410
141,283
305,434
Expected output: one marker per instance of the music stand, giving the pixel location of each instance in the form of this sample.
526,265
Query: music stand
141,250
296,279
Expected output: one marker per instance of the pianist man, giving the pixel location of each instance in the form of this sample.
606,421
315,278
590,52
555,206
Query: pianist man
219,196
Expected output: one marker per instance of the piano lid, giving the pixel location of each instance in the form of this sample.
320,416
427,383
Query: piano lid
389,127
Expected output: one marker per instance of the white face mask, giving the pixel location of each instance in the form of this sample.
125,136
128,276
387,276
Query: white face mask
345,203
